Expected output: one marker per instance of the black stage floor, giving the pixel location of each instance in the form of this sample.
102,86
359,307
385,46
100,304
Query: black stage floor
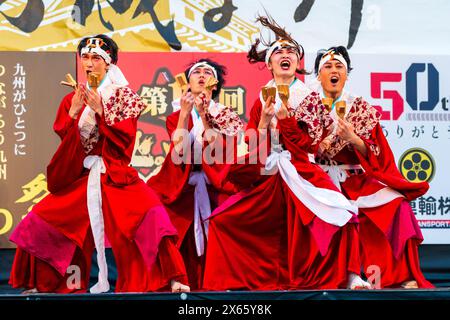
435,263
384,294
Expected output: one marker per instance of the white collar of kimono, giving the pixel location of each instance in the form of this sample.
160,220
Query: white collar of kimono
297,92
202,64
214,107
345,96
277,45
114,78
332,55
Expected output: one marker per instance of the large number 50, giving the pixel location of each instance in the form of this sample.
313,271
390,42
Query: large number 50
376,79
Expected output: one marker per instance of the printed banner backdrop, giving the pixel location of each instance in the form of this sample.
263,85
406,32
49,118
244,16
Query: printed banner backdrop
22,177
398,50
413,93
187,25
151,75
29,97
365,26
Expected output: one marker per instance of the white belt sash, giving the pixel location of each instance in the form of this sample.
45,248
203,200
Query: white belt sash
329,205
337,173
383,196
379,198
94,203
202,209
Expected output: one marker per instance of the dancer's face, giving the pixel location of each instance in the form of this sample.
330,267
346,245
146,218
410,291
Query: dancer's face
284,62
92,62
333,76
198,79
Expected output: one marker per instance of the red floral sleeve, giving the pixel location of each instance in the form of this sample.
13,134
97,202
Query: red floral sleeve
364,119
227,121
124,104
312,113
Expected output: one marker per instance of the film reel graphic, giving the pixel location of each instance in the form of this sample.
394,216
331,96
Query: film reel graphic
417,165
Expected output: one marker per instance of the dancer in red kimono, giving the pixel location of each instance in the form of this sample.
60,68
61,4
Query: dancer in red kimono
358,158
94,194
292,229
189,183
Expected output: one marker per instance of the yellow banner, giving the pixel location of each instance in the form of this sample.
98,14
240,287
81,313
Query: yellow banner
139,26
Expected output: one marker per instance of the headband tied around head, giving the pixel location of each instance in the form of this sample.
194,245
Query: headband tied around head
332,55
278,45
204,65
94,45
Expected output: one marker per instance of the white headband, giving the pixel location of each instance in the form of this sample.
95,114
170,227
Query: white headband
277,45
114,73
94,46
204,65
331,55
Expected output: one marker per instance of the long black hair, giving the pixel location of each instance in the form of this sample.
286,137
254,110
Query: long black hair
341,50
109,45
221,73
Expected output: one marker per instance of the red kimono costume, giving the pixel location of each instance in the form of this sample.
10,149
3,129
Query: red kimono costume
265,237
191,188
389,232
58,237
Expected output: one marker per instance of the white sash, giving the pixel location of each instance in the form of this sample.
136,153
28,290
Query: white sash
381,197
330,206
337,173
378,198
202,209
94,203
